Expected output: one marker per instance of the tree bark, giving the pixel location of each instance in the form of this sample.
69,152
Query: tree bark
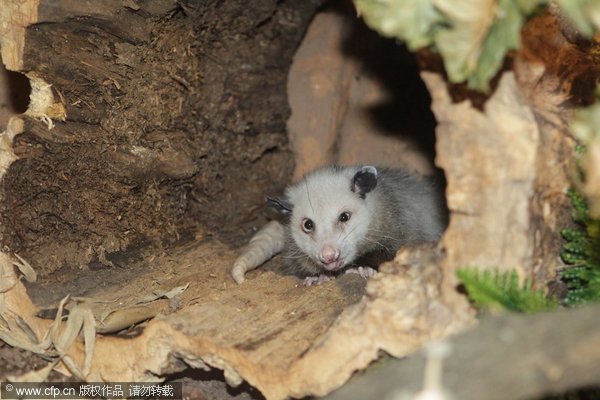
509,160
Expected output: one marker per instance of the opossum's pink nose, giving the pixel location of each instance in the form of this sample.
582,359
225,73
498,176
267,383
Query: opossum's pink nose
329,254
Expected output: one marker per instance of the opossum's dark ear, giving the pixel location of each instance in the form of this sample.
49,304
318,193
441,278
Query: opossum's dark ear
282,205
364,180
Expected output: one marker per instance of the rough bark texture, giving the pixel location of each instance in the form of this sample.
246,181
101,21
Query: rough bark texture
509,162
568,78
556,72
489,161
175,121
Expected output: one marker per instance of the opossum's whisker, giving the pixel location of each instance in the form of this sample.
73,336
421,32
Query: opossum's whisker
378,243
349,232
308,196
296,253
386,237
377,230
295,257
375,235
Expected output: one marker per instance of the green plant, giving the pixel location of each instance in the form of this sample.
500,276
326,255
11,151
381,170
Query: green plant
582,251
502,290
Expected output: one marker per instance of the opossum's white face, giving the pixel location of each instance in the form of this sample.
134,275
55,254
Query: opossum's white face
329,214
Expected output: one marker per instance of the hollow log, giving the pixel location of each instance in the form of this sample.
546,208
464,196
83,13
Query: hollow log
159,122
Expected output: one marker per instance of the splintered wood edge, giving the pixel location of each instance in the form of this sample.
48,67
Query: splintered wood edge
353,341
156,352
7,156
325,367
14,300
15,17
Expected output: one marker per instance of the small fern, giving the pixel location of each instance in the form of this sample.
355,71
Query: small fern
582,251
501,290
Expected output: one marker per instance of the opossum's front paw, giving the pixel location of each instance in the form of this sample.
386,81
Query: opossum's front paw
365,272
317,280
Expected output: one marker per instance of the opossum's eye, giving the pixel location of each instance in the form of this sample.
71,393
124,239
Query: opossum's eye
345,216
307,225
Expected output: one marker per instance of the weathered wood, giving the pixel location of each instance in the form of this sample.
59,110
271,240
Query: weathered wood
258,331
506,357
281,337
59,11
15,17
509,164
489,161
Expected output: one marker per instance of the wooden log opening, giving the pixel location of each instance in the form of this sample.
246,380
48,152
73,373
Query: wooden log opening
155,128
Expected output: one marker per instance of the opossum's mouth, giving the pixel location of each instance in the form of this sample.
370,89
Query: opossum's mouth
333,266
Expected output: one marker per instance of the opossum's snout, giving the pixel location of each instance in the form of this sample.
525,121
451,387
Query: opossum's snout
330,257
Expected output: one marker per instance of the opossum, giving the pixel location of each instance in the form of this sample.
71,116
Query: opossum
347,219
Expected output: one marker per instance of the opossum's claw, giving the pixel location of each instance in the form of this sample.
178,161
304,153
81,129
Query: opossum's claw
317,280
364,272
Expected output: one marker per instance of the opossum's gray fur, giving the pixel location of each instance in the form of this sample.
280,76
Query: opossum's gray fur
389,208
